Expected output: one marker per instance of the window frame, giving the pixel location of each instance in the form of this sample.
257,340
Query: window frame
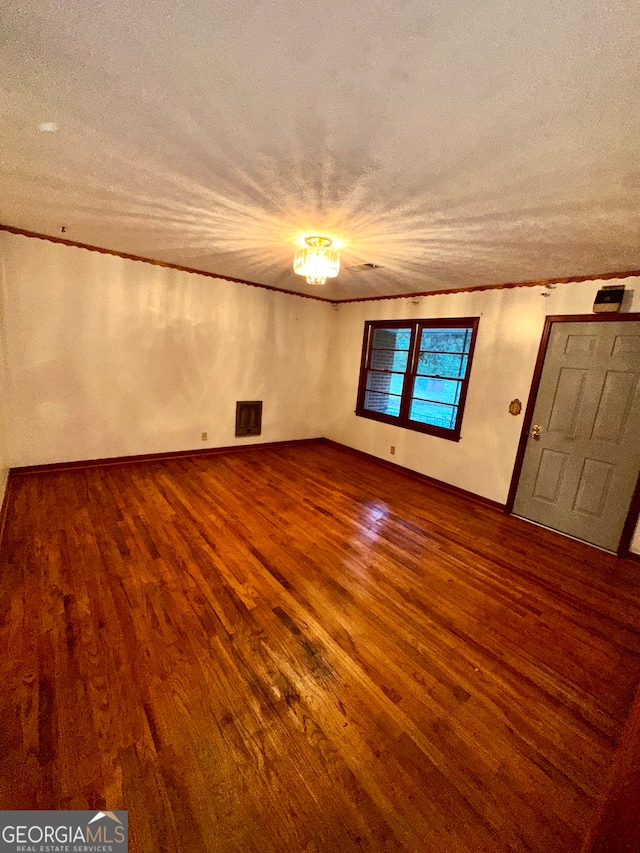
416,327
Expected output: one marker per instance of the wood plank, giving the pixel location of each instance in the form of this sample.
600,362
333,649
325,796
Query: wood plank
616,824
295,648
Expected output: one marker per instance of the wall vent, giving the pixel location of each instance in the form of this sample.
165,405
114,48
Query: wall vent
610,298
362,267
249,417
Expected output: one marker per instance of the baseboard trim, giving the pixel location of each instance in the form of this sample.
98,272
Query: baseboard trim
156,457
4,508
416,475
241,448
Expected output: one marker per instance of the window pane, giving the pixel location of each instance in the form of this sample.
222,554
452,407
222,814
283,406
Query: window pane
433,413
392,338
385,404
385,359
442,364
446,340
387,383
437,390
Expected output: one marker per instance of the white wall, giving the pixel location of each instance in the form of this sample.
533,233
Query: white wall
110,357
508,340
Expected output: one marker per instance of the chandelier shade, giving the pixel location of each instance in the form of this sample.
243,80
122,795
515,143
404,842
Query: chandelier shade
317,261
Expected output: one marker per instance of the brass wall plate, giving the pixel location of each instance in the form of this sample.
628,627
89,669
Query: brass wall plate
515,407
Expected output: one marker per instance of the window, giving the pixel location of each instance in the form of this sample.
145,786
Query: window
415,373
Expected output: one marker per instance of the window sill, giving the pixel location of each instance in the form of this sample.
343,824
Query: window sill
426,429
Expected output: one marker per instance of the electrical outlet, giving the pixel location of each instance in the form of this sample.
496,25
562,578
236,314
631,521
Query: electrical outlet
393,450
204,436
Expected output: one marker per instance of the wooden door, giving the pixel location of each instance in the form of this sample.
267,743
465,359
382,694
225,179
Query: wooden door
583,452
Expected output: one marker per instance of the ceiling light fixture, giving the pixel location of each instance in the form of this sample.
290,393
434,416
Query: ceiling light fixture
317,261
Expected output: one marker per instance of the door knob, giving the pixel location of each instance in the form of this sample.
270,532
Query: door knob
535,432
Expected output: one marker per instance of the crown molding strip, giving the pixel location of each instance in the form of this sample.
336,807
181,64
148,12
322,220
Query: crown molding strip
541,283
166,264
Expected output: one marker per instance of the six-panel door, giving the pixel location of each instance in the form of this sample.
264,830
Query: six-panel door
583,453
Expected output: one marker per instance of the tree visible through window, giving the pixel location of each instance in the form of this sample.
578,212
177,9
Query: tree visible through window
415,373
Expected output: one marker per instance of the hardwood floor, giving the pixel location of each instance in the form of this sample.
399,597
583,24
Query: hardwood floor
295,649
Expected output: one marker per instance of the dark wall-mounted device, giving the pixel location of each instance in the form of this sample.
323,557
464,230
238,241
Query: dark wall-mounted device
249,417
609,299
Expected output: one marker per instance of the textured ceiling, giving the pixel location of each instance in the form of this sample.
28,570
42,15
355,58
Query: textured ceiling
456,143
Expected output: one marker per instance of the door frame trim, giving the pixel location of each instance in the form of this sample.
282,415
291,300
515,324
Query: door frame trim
634,508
